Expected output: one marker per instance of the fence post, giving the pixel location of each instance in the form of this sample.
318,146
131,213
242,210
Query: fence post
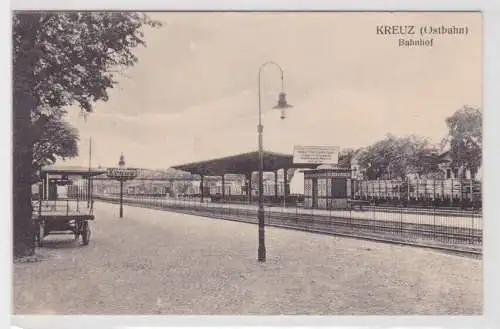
379,192
417,190
434,223
408,189
452,196
434,190
471,199
461,193
386,192
442,190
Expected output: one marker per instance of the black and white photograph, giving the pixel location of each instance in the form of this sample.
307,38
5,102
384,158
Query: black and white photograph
247,163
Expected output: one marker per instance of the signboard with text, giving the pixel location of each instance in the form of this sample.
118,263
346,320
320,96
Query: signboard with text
315,154
122,173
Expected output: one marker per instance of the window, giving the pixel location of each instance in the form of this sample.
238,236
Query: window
448,173
308,187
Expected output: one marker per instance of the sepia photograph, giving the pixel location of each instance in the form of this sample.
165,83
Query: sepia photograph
247,163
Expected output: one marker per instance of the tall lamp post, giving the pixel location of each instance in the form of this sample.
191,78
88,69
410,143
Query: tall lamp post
282,105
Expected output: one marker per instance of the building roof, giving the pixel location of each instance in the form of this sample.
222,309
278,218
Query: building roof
241,164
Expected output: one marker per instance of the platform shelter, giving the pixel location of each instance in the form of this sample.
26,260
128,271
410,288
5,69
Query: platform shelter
244,164
76,177
327,188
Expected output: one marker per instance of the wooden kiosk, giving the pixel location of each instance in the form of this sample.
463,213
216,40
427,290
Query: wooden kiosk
328,188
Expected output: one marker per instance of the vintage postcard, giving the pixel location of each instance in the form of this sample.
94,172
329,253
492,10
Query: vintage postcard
247,163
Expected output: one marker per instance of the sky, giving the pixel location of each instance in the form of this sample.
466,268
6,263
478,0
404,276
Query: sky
193,95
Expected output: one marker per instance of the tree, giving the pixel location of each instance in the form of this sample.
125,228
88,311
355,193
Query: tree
54,138
465,139
62,59
345,157
375,160
396,157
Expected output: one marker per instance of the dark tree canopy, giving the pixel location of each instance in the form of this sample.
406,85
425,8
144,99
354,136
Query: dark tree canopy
465,138
77,54
345,157
54,138
396,157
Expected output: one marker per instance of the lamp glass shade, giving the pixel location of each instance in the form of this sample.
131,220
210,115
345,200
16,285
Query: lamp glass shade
282,103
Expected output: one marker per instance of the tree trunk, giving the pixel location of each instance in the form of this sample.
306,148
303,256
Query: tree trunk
23,103
22,155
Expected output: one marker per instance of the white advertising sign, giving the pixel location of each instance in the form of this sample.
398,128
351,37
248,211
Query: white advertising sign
315,154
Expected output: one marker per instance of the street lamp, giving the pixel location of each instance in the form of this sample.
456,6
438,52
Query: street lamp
282,105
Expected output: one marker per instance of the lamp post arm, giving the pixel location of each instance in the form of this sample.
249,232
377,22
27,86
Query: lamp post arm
261,69
260,79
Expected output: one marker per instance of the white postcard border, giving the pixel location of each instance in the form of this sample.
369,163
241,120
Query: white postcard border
491,10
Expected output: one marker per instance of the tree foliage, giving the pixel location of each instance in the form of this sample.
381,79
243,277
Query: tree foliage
61,59
78,54
396,157
465,138
54,138
345,157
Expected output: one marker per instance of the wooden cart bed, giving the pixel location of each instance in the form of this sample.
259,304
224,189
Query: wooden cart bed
62,209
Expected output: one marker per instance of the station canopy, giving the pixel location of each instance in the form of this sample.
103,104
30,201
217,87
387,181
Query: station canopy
72,171
241,164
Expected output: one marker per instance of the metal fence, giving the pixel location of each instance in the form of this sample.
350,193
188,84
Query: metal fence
447,229
426,193
457,193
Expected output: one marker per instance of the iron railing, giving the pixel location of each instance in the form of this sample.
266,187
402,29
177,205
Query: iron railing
442,228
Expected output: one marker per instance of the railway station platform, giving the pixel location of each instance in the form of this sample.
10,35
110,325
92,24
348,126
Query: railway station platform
164,263
457,231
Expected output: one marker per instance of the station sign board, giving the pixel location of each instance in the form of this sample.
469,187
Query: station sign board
121,173
315,154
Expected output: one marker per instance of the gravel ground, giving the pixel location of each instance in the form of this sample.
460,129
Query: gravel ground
156,262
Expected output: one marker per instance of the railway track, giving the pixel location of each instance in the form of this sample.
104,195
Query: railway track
456,240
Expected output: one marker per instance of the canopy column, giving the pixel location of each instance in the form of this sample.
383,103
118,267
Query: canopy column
248,177
202,187
285,185
276,184
223,187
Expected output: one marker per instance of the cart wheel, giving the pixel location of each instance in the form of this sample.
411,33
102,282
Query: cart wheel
85,233
78,229
40,234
